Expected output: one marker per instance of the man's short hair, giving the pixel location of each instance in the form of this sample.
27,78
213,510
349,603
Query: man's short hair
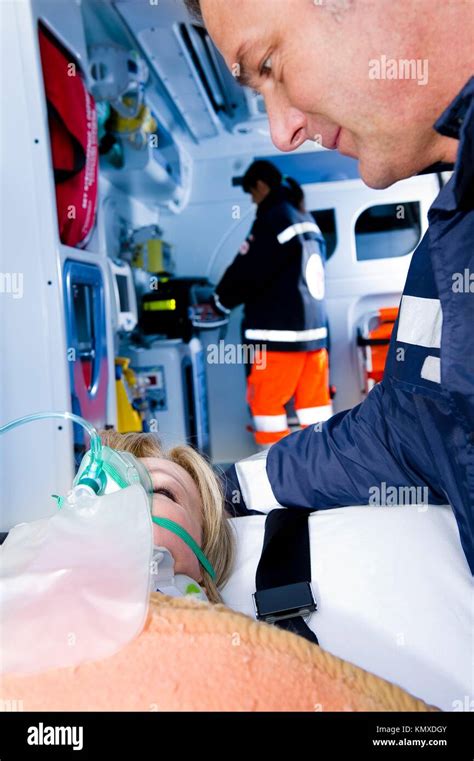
194,8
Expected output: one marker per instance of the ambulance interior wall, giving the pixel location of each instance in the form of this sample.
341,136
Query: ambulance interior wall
35,461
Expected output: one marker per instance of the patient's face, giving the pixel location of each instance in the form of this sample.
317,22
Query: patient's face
177,498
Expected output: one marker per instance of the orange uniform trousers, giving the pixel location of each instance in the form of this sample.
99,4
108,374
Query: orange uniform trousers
278,376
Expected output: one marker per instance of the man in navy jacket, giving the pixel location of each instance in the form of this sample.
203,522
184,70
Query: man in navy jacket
325,77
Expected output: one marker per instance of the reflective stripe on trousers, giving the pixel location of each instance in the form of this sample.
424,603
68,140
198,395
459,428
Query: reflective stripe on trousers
303,376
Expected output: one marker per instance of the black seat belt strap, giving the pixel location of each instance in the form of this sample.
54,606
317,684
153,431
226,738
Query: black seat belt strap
283,579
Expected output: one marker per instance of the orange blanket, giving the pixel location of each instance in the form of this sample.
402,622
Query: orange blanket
196,656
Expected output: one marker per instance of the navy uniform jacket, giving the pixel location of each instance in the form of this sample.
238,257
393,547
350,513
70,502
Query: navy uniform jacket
415,430
279,277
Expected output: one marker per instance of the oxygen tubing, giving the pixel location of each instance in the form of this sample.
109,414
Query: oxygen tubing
95,464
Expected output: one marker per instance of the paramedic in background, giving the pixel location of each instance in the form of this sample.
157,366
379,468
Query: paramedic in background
279,277
389,83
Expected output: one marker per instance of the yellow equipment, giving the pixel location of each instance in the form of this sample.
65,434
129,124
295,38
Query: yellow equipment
128,419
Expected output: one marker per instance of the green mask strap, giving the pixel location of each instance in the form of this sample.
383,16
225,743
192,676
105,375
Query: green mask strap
175,528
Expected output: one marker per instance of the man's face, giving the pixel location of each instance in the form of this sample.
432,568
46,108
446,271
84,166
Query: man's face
314,65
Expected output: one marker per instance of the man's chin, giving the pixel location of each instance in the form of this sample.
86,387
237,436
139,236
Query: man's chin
372,171
375,174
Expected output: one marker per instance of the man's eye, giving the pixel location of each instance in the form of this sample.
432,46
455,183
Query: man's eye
166,493
266,66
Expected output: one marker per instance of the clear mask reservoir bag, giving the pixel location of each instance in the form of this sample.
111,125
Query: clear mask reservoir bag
75,587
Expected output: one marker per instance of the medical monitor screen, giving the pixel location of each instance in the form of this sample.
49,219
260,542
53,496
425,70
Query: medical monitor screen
122,284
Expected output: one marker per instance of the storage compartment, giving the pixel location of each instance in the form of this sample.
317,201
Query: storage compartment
73,134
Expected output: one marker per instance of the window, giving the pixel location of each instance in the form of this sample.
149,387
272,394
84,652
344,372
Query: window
388,230
326,221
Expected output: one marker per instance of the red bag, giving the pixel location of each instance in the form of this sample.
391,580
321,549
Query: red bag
73,133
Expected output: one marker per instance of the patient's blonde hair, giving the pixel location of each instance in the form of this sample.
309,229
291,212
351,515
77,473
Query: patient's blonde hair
217,537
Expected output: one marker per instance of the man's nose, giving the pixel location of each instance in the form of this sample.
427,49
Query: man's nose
287,125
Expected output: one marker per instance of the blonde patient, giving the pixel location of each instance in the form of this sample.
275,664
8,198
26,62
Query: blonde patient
186,491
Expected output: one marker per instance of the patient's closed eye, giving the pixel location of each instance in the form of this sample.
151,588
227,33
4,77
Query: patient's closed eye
166,492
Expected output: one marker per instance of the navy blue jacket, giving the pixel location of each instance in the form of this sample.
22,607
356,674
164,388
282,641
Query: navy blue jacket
279,277
414,434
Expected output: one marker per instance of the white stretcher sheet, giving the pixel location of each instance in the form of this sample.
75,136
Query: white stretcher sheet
394,594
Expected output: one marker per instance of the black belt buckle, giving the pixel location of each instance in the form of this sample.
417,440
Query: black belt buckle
289,601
